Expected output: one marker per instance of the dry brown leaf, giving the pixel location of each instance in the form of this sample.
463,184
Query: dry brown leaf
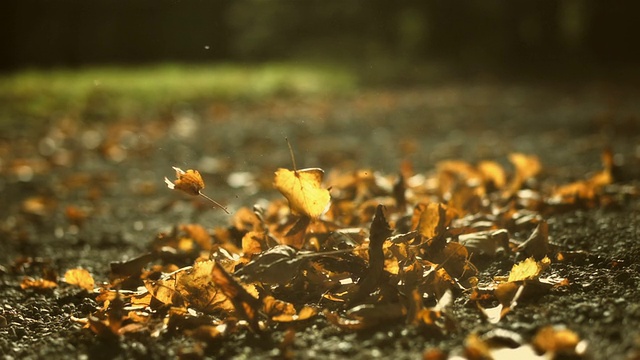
476,349
527,166
198,234
278,265
80,277
303,189
493,174
246,219
558,340
253,243
367,316
537,245
76,215
461,171
196,287
586,189
38,284
133,267
488,242
282,311
191,182
246,306
38,206
380,231
431,219
207,332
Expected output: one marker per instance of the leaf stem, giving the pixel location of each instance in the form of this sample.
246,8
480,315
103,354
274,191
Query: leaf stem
217,204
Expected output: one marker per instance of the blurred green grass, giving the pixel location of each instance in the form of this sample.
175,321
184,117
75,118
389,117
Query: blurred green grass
110,93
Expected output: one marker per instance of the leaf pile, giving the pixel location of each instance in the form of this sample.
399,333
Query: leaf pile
365,251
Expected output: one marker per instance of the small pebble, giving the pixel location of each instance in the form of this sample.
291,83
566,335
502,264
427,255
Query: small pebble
345,347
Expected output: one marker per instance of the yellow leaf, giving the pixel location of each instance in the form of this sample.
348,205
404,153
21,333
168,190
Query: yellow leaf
433,219
303,190
493,172
527,166
80,277
528,269
556,340
41,284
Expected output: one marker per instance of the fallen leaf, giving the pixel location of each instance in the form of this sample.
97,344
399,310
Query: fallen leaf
489,242
537,245
558,340
76,215
476,349
528,269
278,265
133,267
432,219
586,190
198,290
80,277
198,234
366,316
38,284
493,174
380,231
526,167
281,311
303,189
245,304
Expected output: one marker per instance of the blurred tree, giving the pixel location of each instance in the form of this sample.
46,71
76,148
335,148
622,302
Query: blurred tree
494,32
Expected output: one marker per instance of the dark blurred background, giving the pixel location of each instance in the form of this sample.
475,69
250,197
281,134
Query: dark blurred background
470,34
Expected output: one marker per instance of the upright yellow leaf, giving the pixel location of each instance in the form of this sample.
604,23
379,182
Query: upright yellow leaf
303,190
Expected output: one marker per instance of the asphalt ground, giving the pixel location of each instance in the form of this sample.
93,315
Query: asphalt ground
112,173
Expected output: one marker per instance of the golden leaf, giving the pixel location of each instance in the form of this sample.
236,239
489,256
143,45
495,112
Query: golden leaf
493,173
303,190
198,234
80,277
432,219
41,284
527,166
556,340
589,188
528,269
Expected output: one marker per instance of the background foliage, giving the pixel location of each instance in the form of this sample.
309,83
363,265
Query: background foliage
472,33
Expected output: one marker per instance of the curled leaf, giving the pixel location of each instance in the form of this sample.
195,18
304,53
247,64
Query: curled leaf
281,311
537,245
190,182
380,231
